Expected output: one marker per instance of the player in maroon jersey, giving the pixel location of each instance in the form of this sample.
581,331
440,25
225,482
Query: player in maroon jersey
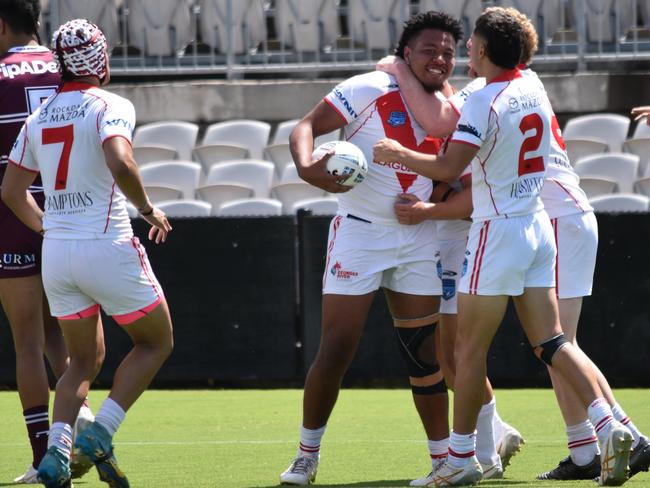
28,75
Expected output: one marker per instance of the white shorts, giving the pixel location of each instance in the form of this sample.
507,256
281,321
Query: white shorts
361,257
504,256
449,262
79,275
576,238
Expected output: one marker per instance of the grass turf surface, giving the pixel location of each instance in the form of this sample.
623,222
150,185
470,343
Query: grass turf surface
245,438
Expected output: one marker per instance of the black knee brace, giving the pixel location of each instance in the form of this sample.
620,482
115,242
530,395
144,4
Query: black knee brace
547,349
424,372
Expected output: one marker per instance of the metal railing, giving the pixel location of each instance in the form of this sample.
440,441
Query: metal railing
574,34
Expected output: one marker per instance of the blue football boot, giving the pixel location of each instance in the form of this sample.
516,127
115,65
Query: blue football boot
96,443
53,471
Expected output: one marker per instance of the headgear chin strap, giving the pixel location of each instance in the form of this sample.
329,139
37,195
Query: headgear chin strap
81,49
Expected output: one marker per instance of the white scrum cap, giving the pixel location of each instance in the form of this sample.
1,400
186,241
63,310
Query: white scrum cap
81,49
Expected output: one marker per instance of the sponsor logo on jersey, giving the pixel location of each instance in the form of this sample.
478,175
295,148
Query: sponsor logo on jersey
526,187
394,165
341,274
65,113
448,288
9,260
119,123
346,104
529,101
74,202
514,105
35,67
470,129
396,118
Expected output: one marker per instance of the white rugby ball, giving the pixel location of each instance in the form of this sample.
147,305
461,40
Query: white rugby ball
347,160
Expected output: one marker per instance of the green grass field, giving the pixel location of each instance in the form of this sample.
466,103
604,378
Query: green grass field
246,438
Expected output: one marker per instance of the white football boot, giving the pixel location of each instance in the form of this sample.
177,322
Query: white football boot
301,471
428,479
470,474
492,471
509,444
80,464
29,478
615,456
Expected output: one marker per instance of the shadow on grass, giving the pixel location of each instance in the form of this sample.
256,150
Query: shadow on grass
391,483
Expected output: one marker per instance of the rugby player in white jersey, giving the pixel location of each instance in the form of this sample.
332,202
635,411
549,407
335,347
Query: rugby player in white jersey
368,248
505,131
576,240
80,141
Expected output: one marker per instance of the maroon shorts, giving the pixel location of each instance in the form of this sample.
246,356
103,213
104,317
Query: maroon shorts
20,247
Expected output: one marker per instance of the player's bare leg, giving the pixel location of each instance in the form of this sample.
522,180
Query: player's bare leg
343,320
579,374
583,462
55,350
22,300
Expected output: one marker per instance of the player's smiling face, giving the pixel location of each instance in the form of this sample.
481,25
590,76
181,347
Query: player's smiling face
431,54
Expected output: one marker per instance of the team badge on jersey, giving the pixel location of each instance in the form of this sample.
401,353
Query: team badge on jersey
396,118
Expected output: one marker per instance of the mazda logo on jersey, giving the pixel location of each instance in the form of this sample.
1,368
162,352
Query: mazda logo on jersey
469,129
396,118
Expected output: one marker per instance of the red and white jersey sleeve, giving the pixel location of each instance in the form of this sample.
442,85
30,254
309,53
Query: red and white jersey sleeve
458,99
561,192
63,140
373,108
509,122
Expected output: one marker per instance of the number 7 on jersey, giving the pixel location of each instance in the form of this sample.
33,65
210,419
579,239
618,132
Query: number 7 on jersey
55,135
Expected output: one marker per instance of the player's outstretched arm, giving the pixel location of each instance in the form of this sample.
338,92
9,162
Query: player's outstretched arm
437,117
640,112
16,196
120,161
321,120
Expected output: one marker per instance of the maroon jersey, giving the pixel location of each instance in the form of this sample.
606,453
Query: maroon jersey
28,75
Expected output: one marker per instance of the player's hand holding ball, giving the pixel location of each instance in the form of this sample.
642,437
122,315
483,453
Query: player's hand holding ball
337,166
388,150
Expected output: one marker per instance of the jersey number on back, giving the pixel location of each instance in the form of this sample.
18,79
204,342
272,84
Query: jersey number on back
530,144
56,135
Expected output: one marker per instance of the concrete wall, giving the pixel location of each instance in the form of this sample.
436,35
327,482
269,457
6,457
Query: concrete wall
211,101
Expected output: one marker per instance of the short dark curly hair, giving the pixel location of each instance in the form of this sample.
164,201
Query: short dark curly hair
504,36
21,15
428,20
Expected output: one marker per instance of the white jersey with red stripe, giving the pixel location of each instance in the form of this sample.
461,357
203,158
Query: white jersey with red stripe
509,122
373,108
63,140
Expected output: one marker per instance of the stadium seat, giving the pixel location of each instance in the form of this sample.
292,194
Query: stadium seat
219,153
640,147
279,155
642,186
248,24
600,27
290,174
467,10
218,194
317,206
283,131
255,174
618,167
181,174
530,8
642,128
377,24
265,207
185,208
159,27
620,202
306,25
161,193
291,192
579,148
611,128
152,154
177,135
252,134
594,187
100,12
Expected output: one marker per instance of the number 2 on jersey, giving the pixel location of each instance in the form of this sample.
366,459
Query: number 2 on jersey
535,164
55,135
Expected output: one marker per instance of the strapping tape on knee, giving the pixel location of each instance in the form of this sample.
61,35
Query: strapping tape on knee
547,349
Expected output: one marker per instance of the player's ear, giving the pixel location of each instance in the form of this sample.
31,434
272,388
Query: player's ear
407,55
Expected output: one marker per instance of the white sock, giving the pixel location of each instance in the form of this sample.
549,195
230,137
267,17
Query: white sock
438,450
61,438
498,426
620,415
110,416
583,443
310,441
486,450
601,417
462,447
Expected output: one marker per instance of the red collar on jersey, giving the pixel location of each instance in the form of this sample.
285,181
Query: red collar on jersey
75,86
508,75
